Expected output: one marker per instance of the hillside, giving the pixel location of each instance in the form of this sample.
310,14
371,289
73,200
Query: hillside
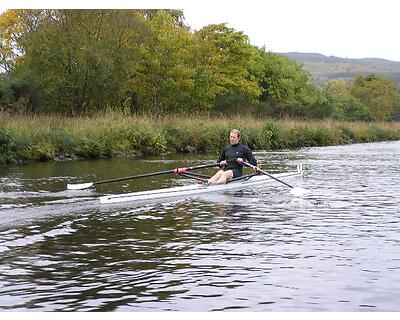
323,68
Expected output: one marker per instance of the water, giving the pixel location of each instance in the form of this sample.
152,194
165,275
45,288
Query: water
335,249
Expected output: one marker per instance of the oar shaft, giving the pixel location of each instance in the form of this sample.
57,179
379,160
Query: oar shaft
159,173
267,174
174,171
134,177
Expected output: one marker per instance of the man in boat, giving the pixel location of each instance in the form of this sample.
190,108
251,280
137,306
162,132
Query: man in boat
231,159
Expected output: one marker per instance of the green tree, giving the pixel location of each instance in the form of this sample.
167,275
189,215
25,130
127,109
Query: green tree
379,94
343,104
286,88
284,81
395,116
223,59
163,80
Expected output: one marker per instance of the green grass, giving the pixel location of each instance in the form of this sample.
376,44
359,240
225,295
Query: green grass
43,138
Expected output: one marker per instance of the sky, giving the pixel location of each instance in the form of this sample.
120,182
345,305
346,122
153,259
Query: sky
343,28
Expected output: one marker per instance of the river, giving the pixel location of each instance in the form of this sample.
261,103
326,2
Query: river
337,248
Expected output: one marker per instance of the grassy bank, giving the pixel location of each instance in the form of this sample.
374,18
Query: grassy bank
43,138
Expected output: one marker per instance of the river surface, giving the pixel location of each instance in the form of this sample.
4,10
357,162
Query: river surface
337,248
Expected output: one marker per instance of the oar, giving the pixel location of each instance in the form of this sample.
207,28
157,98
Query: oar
80,186
295,190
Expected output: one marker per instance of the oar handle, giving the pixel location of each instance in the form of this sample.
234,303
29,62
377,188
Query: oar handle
266,173
184,169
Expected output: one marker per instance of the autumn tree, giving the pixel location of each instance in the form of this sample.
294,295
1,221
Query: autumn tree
15,25
79,58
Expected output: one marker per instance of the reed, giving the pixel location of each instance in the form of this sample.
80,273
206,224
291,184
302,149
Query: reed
43,138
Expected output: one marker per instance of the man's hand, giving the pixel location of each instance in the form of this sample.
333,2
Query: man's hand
223,163
256,169
239,160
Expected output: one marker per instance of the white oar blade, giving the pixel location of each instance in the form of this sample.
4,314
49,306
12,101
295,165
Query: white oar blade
79,186
298,191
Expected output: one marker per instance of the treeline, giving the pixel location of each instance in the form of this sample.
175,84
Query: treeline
75,62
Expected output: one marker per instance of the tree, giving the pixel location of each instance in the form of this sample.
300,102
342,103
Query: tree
286,88
343,104
379,94
177,15
223,60
14,26
163,80
81,58
283,80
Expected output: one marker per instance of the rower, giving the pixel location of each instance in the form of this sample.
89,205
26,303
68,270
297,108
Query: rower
231,159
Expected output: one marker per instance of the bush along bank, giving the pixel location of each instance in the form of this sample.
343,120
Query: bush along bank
44,139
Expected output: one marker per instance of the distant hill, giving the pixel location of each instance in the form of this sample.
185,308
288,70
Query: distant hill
327,68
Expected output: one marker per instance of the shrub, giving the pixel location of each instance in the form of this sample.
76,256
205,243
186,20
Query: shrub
5,144
321,136
347,134
271,137
40,151
377,134
147,142
63,141
89,148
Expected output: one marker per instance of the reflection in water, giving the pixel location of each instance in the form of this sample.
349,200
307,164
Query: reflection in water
335,249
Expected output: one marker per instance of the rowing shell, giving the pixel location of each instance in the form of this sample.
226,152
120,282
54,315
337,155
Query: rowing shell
184,191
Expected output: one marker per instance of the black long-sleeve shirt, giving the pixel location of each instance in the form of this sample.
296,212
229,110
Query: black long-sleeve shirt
231,153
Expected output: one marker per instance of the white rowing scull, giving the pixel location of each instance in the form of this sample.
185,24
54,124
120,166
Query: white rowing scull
195,189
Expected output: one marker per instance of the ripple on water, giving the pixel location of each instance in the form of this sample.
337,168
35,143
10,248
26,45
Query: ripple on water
334,249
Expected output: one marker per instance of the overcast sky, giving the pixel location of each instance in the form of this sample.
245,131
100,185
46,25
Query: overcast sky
344,28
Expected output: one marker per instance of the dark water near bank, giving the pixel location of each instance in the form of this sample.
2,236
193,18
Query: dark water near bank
335,249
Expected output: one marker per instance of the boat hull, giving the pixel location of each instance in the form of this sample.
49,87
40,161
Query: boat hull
195,189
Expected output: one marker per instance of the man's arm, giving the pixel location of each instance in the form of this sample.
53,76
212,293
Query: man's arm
222,155
250,157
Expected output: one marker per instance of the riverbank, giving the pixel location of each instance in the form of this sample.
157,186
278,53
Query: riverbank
45,138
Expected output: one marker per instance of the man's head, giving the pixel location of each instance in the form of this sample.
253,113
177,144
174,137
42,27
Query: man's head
234,136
